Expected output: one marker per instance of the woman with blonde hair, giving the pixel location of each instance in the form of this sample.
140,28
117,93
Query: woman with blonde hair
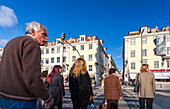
80,85
147,88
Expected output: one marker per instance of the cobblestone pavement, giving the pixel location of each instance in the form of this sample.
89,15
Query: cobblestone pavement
129,101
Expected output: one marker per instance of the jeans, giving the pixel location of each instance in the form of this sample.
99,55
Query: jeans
149,103
13,104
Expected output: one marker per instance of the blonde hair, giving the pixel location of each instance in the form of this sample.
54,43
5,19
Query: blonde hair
80,67
144,68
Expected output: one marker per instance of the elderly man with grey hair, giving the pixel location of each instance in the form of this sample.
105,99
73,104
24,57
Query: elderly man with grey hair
20,70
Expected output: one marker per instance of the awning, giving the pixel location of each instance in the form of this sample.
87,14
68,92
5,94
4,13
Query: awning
158,75
162,75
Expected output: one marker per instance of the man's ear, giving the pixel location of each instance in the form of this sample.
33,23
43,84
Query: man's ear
32,32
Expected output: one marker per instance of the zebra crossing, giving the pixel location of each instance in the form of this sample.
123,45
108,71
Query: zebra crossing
130,100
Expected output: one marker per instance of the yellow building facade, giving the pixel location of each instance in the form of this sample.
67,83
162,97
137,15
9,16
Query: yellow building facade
140,47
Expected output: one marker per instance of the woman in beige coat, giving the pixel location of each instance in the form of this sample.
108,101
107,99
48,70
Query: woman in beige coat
146,87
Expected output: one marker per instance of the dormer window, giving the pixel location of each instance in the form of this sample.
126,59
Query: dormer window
82,38
153,31
58,41
167,28
144,30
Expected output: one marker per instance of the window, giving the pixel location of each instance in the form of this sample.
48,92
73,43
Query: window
75,41
144,52
90,68
132,53
42,51
54,43
133,65
82,38
52,50
74,48
168,29
168,63
73,58
64,68
58,49
144,41
58,59
82,56
46,60
168,50
64,49
156,64
90,57
132,42
64,59
168,39
52,60
82,47
42,61
144,61
91,39
145,30
47,51
90,46
153,31
58,41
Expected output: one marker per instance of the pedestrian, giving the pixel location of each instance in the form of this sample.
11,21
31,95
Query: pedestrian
112,90
147,88
41,103
80,85
20,74
56,88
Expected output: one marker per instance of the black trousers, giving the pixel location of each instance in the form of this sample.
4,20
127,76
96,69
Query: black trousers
59,107
112,104
149,103
77,104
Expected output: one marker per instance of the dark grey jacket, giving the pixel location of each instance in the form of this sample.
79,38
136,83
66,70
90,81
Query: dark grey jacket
56,89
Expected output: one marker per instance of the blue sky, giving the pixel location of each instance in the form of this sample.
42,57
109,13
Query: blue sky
109,20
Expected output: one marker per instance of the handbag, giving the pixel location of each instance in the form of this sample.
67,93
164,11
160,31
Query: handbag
136,89
91,105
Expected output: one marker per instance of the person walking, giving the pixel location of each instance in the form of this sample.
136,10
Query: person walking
147,87
20,70
80,85
112,89
56,88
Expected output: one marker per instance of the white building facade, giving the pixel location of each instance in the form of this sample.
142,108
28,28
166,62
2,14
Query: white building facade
90,48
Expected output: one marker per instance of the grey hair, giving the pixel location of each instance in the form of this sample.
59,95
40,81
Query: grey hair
33,25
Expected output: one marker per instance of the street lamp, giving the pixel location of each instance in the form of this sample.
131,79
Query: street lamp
141,47
62,39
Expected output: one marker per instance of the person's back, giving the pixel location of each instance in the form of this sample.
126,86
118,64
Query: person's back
12,73
147,85
113,88
20,74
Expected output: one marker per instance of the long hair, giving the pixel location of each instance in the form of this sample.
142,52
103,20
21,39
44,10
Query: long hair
55,69
79,67
144,68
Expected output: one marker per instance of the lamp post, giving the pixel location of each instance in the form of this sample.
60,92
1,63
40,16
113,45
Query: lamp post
141,47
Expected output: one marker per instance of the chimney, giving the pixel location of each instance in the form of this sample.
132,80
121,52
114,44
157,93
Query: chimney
101,41
105,49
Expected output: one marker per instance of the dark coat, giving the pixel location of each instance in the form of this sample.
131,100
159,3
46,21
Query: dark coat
56,89
80,87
